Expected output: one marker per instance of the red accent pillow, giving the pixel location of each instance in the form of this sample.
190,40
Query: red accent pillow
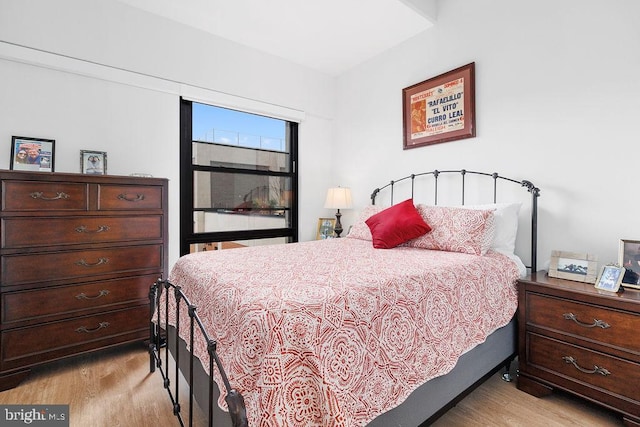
396,225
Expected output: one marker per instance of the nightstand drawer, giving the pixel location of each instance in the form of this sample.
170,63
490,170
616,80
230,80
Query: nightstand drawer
20,232
606,326
580,365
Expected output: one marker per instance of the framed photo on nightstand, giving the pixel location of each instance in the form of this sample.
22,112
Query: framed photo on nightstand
573,266
325,228
610,278
629,258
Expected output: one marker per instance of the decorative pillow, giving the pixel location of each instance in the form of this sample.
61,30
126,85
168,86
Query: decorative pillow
360,230
506,225
396,225
463,230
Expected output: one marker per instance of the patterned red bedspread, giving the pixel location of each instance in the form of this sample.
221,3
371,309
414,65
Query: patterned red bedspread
335,332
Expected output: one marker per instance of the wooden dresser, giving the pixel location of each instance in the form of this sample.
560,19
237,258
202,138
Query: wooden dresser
78,254
581,340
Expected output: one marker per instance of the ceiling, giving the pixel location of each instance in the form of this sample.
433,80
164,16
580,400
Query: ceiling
330,36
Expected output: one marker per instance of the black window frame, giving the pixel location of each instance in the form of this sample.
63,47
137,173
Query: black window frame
187,170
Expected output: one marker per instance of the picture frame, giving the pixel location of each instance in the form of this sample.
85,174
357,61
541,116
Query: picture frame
574,266
32,154
440,109
610,278
629,258
93,162
326,228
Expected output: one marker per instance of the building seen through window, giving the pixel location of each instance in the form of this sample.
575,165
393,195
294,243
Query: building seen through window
243,179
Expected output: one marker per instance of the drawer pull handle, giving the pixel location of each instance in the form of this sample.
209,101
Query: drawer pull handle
83,229
126,198
599,323
596,369
83,329
102,293
84,263
40,195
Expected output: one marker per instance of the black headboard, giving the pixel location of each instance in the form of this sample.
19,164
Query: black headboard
494,177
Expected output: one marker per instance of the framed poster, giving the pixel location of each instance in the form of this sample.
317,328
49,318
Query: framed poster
93,162
32,154
440,109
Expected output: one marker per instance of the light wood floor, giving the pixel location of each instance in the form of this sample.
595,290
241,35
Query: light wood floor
115,388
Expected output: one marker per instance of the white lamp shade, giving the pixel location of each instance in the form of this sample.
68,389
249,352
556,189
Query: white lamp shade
338,198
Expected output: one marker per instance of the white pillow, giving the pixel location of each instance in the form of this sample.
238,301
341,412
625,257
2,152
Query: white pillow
506,225
360,230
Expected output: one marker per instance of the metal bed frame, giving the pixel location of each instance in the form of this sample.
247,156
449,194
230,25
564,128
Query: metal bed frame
535,193
235,400
159,332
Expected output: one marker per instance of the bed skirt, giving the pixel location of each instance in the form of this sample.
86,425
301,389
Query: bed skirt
427,403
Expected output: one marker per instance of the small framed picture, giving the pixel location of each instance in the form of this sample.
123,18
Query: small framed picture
93,162
32,154
325,228
573,266
629,258
610,278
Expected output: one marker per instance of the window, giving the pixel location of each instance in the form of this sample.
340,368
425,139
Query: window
238,179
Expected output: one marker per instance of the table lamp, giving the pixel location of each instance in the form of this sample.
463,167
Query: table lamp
338,198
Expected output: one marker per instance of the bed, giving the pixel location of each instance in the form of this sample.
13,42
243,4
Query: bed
388,326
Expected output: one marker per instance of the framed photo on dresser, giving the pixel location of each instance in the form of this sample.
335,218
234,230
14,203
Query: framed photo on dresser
93,162
32,154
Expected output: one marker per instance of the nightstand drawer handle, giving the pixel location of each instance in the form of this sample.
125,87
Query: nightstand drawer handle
101,294
596,369
599,323
84,229
40,195
84,263
127,198
84,329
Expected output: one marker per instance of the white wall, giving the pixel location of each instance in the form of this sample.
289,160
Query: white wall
556,96
104,76
557,103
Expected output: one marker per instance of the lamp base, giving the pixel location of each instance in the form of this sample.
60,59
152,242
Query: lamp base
338,228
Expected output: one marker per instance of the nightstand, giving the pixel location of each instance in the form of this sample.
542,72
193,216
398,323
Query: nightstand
582,340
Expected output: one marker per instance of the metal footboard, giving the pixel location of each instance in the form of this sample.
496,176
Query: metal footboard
234,399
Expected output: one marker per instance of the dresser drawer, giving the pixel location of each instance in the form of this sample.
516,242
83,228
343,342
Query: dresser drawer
606,326
53,266
52,303
129,197
26,346
596,370
20,232
43,196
